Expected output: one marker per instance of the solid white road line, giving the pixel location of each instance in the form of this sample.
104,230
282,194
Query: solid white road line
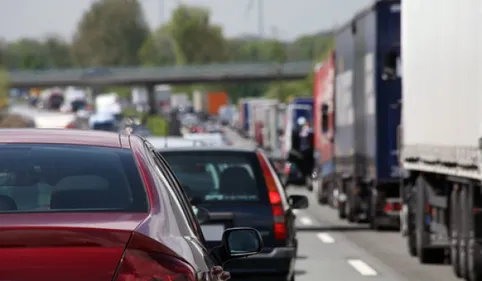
362,268
325,238
306,221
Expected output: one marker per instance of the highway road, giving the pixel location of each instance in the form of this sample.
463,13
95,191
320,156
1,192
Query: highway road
334,250
329,249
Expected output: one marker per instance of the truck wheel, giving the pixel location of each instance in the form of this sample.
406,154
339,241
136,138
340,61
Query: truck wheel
349,205
372,218
322,192
425,254
341,210
462,245
454,233
474,258
411,235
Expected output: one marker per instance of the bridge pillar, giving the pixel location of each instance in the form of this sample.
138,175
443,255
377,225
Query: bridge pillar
151,98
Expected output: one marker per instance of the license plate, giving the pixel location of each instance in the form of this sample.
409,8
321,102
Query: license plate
213,232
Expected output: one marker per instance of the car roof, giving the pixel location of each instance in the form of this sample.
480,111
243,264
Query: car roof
160,142
64,136
211,149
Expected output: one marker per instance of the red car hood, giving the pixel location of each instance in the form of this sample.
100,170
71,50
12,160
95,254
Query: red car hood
63,246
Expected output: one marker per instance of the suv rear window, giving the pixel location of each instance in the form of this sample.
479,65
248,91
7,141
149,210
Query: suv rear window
69,178
218,176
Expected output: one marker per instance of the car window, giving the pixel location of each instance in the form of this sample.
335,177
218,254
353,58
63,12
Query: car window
69,178
218,176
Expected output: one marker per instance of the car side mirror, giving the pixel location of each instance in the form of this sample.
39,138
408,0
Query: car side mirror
238,242
202,214
298,201
242,242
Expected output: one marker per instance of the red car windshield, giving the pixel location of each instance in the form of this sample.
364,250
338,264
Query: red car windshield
69,178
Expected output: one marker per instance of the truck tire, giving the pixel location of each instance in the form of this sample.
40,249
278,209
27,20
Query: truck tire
321,193
425,254
372,218
462,245
341,210
411,223
474,258
350,215
454,233
411,234
342,204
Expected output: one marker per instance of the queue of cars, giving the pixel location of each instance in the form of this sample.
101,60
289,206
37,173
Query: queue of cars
93,205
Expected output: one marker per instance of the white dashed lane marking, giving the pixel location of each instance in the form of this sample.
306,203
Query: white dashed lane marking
325,238
362,267
306,221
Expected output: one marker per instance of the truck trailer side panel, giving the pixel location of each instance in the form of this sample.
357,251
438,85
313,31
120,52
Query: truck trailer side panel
441,86
364,32
323,122
388,92
344,112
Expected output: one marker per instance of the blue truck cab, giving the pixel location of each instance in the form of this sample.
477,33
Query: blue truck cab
368,111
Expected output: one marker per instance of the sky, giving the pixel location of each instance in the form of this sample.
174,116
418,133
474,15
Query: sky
282,19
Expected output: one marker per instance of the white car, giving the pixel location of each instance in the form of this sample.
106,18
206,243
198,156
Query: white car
215,139
166,142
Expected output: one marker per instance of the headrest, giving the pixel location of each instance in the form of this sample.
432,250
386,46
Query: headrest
236,180
7,203
81,199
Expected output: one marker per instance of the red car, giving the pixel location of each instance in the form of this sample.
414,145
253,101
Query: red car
88,205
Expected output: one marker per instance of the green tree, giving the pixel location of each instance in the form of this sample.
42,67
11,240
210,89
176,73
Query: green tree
196,39
110,33
4,86
310,47
158,49
26,54
57,52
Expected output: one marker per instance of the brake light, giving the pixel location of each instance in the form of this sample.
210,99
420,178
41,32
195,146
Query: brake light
70,126
392,207
146,260
280,232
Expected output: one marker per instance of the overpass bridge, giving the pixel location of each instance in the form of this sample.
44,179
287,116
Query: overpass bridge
149,76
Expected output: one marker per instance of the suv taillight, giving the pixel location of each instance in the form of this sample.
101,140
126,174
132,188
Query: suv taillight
280,232
146,260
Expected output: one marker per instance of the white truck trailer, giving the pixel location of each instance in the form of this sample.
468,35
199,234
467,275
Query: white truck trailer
441,132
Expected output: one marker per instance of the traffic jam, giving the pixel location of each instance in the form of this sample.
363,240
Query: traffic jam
235,189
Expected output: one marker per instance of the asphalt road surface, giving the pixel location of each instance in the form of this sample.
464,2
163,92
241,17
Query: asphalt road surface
334,250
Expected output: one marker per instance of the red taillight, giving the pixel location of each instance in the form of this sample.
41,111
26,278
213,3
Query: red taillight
392,207
147,260
280,231
70,126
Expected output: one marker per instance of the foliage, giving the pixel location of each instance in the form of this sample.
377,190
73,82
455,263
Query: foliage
3,89
196,40
114,33
110,33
